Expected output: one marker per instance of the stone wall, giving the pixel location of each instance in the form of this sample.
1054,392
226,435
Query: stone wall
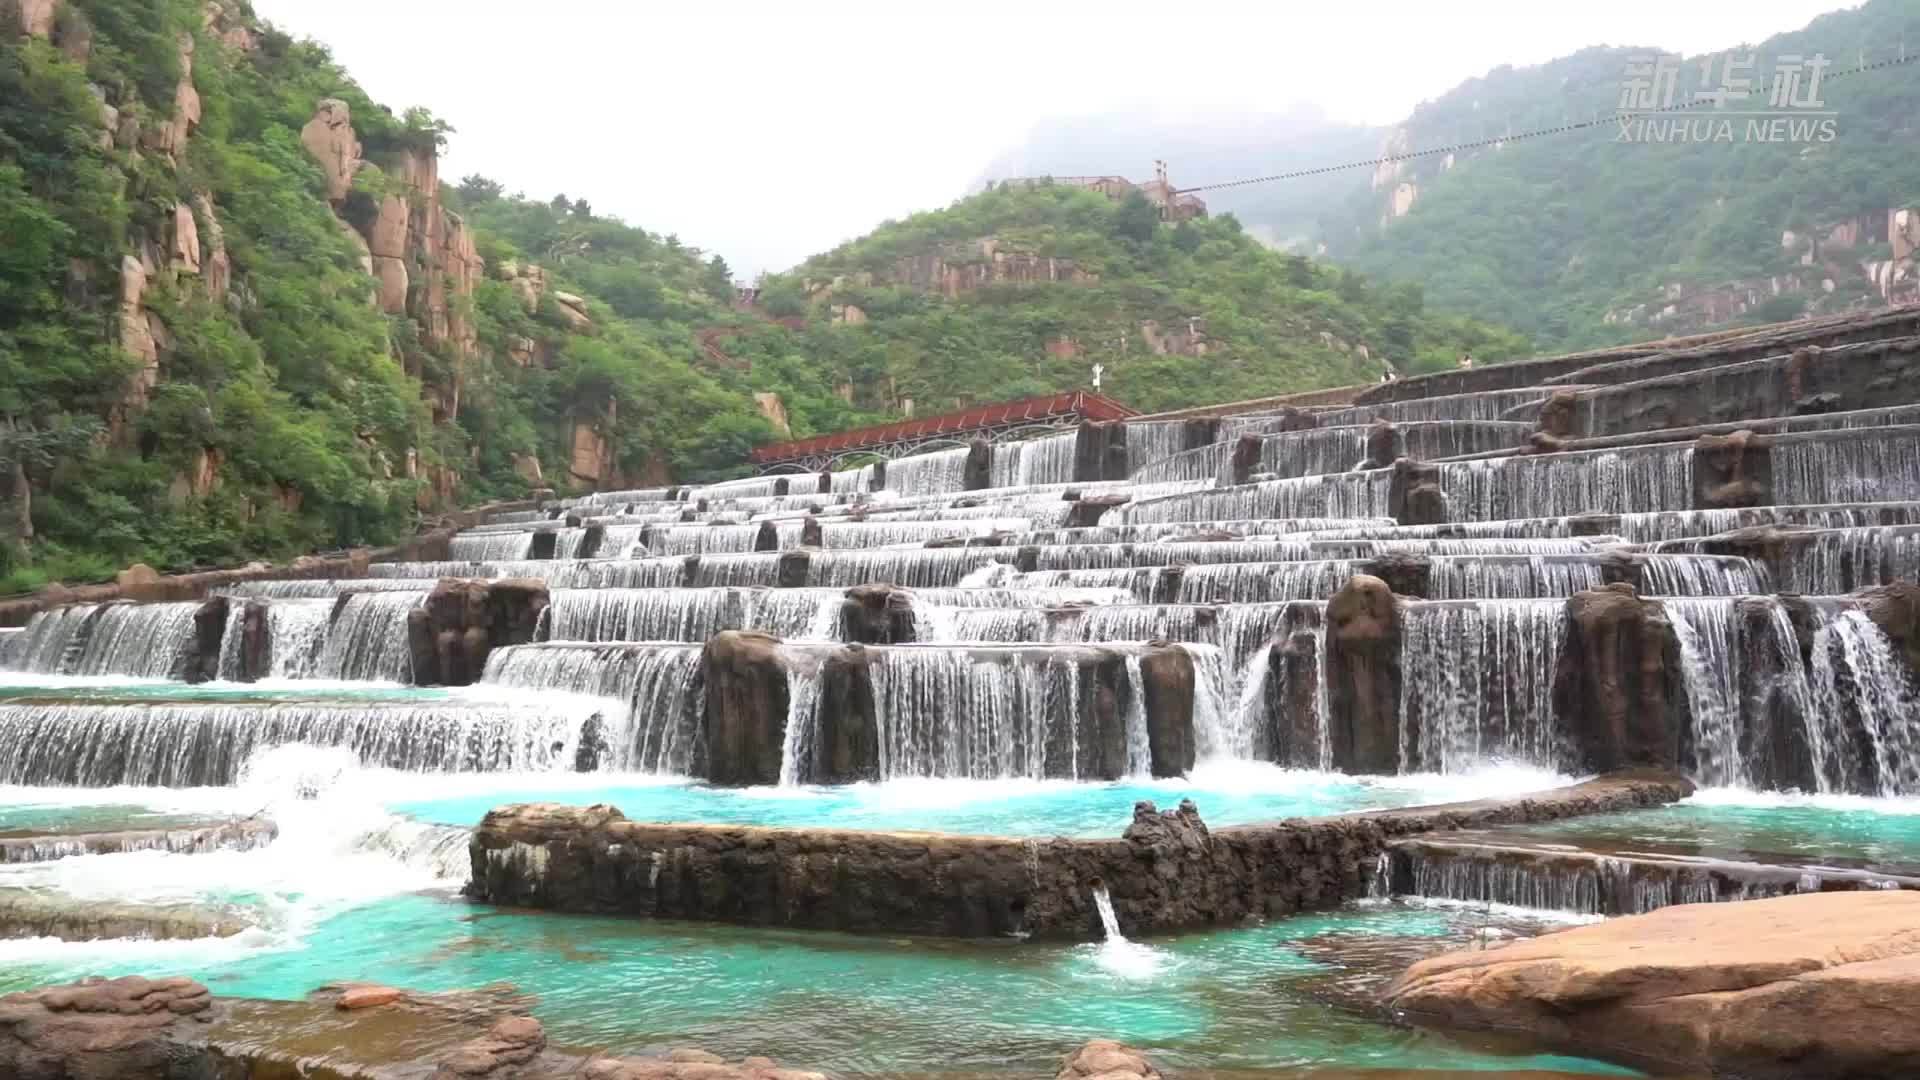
1168,872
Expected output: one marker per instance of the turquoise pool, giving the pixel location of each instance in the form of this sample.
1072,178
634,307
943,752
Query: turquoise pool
869,1005
1231,795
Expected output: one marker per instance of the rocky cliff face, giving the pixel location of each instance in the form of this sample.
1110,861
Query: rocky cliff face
1857,261
421,255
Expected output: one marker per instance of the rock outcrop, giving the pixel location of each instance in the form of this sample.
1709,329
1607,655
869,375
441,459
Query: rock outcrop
37,16
107,1029
330,140
1363,677
1802,987
461,622
1617,687
135,1028
170,136
1104,1059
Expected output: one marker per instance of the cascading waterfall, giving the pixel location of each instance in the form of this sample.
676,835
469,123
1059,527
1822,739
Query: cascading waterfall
1045,460
192,745
1477,684
1253,583
1149,532
1217,731
1201,463
1865,729
1139,746
651,697
297,632
1152,441
837,536
929,473
1816,469
643,614
144,640
1701,575
705,539
1848,559
1462,577
368,638
849,481
979,713
490,546
1092,556
1708,635
1560,485
724,570
1361,494
909,567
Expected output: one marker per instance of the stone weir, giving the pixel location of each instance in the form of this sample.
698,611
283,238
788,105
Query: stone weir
1167,872
1496,867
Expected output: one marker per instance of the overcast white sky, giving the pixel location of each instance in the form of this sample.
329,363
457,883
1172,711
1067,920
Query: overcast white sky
769,131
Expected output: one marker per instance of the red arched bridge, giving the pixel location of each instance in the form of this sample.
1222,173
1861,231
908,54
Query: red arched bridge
997,422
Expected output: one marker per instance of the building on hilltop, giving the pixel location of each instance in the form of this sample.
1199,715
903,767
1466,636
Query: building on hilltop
1173,204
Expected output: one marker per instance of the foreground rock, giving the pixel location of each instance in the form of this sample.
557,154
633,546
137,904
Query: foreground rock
135,1028
1821,985
1104,1059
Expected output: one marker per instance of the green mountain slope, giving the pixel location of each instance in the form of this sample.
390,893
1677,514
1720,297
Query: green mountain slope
1580,239
240,316
1021,290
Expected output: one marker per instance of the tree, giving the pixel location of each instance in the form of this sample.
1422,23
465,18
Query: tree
476,189
561,204
1137,218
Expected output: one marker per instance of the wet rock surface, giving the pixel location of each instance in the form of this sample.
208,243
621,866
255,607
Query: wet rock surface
135,1028
1821,985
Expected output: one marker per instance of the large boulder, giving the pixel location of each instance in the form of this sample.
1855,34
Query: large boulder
1809,986
99,1028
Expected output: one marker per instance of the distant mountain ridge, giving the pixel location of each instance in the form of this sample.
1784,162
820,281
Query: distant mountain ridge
1576,239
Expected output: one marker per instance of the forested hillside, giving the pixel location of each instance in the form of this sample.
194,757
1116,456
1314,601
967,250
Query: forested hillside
1581,239
1021,290
241,317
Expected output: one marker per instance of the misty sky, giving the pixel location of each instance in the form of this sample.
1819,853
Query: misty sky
767,132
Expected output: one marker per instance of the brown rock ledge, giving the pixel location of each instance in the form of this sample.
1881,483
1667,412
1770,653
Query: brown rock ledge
1813,986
